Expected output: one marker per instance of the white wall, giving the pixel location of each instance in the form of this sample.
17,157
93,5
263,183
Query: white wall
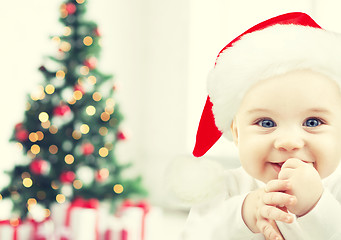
23,43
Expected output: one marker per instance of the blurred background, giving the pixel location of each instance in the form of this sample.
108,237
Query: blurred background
160,53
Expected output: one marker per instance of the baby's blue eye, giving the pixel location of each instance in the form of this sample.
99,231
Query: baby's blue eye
266,123
312,122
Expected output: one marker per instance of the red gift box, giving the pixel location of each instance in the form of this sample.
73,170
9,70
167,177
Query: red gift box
40,230
21,230
129,222
77,214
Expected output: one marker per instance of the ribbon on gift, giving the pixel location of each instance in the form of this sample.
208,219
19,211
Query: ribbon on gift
15,224
108,235
144,205
36,234
81,203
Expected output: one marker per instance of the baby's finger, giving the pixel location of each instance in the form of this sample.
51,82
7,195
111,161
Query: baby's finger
279,199
285,173
292,163
273,213
268,230
277,185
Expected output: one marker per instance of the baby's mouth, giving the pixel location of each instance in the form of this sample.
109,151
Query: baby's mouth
280,164
277,166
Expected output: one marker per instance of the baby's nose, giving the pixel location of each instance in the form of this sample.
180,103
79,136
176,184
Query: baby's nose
288,142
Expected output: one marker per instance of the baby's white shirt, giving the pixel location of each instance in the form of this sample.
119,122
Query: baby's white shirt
221,219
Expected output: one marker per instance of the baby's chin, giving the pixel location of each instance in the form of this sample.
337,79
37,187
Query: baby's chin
265,177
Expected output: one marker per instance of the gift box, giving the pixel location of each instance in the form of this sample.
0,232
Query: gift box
15,229
25,230
114,229
41,230
129,222
58,216
77,220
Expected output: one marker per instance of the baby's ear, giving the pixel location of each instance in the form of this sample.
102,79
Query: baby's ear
234,131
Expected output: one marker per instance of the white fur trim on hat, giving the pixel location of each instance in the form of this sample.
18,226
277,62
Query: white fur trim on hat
266,53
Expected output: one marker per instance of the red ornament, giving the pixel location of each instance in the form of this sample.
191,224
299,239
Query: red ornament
91,62
61,110
67,177
97,32
21,135
100,177
79,87
115,87
18,126
87,149
70,8
121,136
39,166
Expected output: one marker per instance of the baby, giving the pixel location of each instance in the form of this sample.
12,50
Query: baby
275,91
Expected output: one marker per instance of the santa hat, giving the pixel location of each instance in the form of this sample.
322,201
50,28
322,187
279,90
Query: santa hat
281,44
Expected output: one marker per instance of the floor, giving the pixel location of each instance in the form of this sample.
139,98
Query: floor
166,225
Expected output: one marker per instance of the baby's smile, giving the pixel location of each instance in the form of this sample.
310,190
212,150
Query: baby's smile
277,166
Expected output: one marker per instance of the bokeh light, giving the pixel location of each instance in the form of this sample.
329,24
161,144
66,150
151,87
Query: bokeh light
67,31
27,182
53,149
60,198
84,128
65,46
103,131
33,137
25,175
92,80
84,70
118,188
77,95
69,159
91,110
87,41
54,185
53,129
60,74
43,117
103,152
77,184
40,135
35,149
49,89
105,116
46,124
31,201
96,96
104,173
76,134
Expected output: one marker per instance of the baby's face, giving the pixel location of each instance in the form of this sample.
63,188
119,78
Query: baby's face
296,115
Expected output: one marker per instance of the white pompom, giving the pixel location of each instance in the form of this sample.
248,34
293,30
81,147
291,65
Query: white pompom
194,180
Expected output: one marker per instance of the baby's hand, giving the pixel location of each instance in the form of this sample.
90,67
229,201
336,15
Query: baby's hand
306,185
260,208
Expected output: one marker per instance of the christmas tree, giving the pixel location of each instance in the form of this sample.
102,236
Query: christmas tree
71,127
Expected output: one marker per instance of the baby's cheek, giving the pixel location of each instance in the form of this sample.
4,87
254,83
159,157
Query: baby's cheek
326,168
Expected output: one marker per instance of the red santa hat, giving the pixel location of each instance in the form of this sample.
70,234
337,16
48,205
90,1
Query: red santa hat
278,45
